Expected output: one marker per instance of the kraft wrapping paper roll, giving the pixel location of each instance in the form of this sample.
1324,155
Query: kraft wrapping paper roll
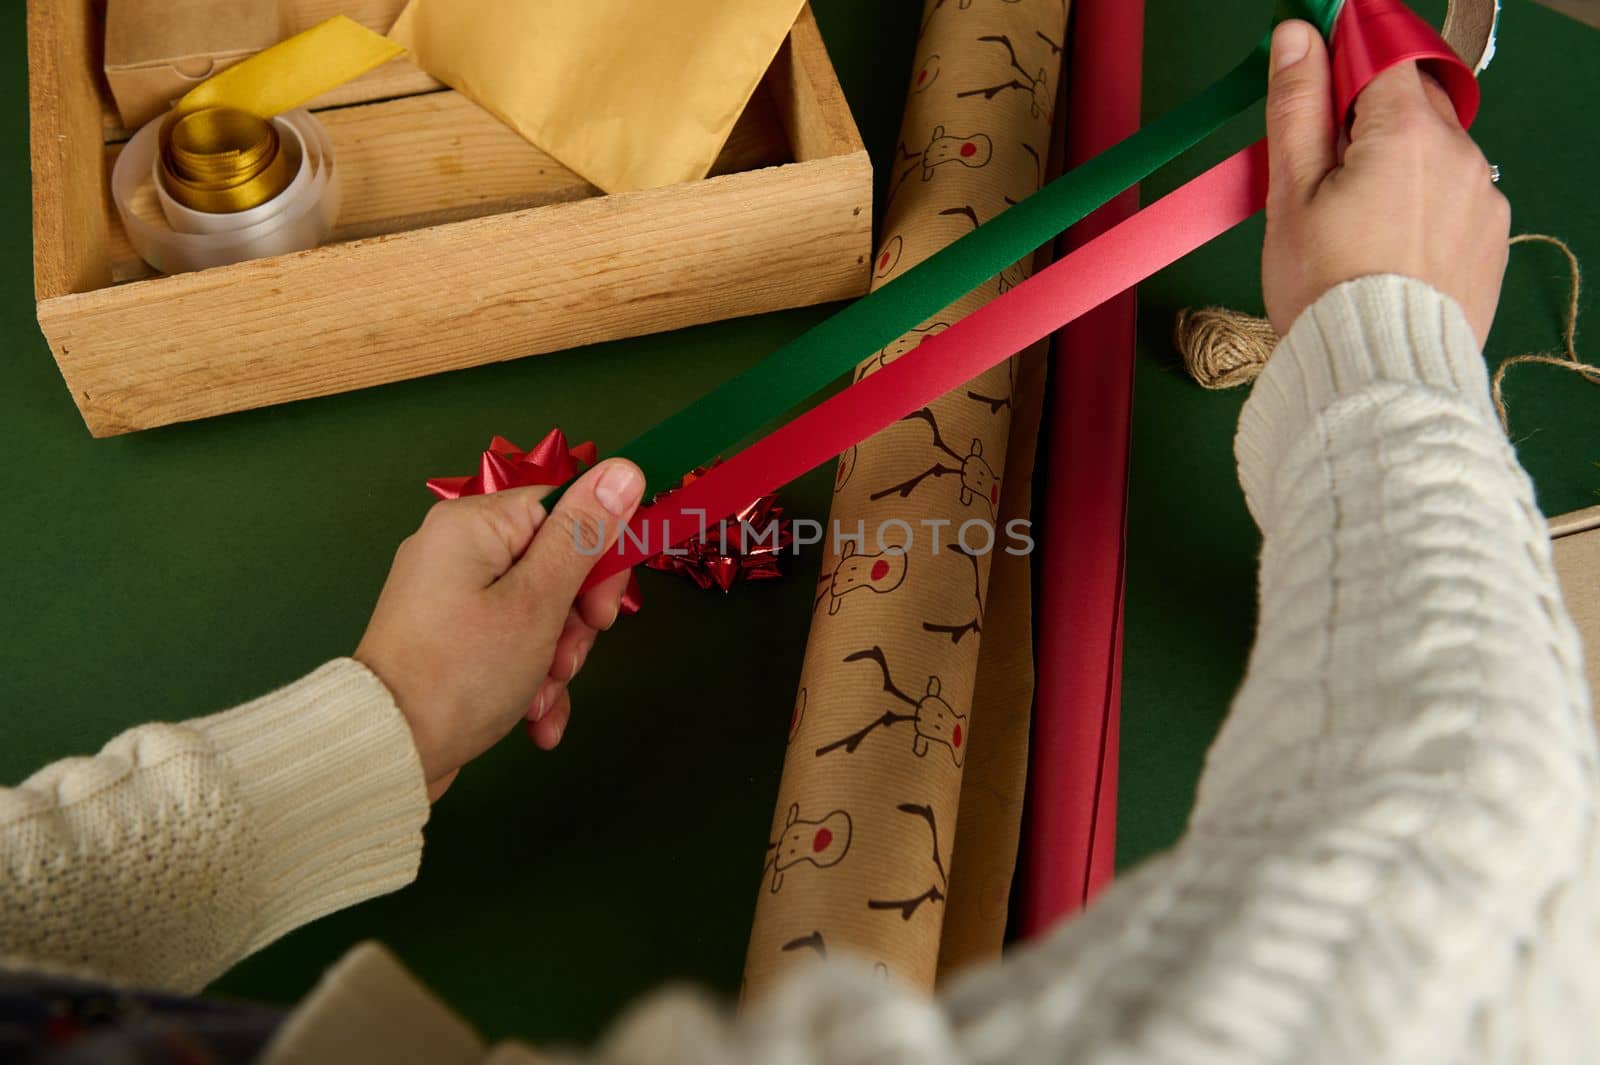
860,856
995,777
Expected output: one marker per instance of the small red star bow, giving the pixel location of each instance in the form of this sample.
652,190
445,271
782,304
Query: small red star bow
505,465
550,463
747,546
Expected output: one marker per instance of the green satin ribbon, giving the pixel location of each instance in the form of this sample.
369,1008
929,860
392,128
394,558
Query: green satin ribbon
738,409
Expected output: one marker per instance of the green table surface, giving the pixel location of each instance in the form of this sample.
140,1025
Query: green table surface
179,571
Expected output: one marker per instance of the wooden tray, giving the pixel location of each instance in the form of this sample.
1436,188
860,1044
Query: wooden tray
459,243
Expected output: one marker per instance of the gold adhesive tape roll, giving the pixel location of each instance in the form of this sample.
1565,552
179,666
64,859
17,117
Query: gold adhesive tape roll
174,238
222,161
219,149
859,857
238,171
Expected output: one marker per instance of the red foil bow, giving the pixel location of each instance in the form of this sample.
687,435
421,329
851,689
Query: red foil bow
550,463
504,465
745,547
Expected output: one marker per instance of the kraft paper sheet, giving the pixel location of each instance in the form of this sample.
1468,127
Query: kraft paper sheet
629,94
1575,551
861,857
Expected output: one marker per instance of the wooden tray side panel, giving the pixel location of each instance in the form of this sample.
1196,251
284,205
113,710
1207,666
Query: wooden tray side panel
353,315
70,240
810,101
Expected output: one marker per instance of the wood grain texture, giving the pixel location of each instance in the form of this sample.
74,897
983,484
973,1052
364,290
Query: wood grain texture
393,307
398,77
425,160
811,103
69,226
460,243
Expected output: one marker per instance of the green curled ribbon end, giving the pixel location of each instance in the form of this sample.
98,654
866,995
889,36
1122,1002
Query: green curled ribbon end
1320,13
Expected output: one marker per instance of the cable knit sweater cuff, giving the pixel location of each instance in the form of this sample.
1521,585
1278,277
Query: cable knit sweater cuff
1384,329
329,773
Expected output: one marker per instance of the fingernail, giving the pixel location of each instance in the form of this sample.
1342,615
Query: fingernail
556,732
1290,43
620,488
537,711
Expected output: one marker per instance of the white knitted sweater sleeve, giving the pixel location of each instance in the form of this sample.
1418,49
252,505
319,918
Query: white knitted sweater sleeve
1393,859
180,849
1393,855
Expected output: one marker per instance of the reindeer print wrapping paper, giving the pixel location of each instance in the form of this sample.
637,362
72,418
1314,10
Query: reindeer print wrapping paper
883,724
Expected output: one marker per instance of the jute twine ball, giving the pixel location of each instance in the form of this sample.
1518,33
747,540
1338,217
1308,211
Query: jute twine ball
1226,349
1223,348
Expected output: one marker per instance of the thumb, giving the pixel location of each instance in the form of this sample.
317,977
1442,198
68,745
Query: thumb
581,528
1301,131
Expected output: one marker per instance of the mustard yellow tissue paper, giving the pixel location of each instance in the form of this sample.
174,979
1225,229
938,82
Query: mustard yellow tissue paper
629,94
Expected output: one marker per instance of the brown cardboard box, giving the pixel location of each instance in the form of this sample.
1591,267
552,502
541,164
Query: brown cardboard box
157,50
1575,545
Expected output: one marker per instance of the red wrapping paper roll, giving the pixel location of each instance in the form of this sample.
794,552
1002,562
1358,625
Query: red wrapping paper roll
1072,787
1072,790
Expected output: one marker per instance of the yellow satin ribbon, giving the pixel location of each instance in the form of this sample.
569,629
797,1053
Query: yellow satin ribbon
220,151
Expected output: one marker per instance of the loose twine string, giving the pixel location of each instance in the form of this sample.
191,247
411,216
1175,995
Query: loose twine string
1222,348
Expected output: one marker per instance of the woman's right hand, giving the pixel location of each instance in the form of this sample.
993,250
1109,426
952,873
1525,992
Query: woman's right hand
1411,194
483,620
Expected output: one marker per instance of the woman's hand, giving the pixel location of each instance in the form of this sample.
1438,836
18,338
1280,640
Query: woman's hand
480,623
1411,194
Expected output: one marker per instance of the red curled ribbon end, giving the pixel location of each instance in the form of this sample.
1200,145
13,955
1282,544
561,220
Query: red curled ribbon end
1370,36
632,597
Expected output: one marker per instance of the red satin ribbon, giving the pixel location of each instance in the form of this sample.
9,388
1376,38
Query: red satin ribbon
1371,36
1161,234
1164,232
